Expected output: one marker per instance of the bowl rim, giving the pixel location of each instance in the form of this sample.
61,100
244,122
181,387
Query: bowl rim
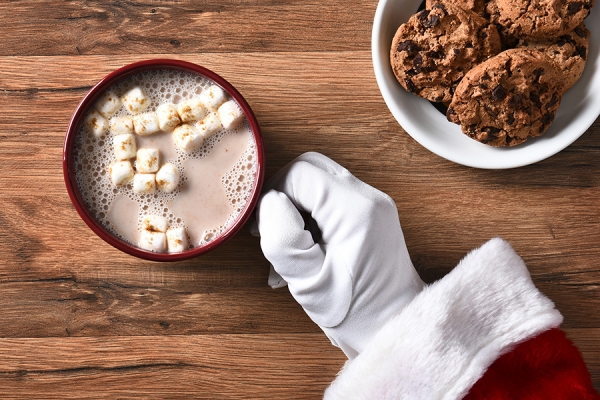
69,172
580,107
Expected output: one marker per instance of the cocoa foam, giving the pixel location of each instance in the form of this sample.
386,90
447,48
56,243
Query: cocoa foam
93,156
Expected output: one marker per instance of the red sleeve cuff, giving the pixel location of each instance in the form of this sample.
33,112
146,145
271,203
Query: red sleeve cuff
547,366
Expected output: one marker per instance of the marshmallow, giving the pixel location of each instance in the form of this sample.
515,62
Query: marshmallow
230,114
168,118
121,125
144,183
124,146
120,172
108,104
187,138
135,100
176,240
147,161
167,178
209,125
213,97
146,124
153,241
191,110
96,123
154,223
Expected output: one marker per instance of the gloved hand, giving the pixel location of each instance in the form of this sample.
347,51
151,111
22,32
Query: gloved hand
359,274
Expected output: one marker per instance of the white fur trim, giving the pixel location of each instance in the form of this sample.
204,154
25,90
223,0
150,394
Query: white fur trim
448,336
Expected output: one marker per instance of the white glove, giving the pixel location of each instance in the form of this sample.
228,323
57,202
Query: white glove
359,275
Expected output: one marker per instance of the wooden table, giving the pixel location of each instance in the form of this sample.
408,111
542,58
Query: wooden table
80,319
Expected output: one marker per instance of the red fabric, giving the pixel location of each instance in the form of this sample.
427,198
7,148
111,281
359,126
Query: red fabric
545,367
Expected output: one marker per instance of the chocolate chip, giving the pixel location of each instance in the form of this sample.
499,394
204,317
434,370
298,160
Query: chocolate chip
409,46
542,89
422,15
581,51
451,115
483,35
536,99
418,63
492,133
434,20
572,8
404,45
499,93
469,45
491,130
410,86
456,51
440,6
490,111
548,118
515,101
411,72
537,73
580,32
564,39
435,54
511,119
459,69
472,128
552,101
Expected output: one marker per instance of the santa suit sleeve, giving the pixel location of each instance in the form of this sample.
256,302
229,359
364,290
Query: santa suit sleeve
484,331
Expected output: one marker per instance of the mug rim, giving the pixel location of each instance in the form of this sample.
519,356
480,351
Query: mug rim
69,171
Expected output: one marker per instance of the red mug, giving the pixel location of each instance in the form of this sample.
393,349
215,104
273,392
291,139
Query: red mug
69,169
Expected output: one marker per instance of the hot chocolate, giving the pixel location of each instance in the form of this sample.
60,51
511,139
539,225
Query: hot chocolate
212,175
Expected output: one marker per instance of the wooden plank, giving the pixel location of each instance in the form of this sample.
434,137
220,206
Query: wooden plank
264,366
290,366
136,27
587,341
67,307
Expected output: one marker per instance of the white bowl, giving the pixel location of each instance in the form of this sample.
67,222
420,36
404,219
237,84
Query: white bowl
579,108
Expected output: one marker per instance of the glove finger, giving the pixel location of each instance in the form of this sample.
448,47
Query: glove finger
322,287
283,239
314,158
325,163
336,206
318,160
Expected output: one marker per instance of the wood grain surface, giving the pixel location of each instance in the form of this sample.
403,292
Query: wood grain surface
79,319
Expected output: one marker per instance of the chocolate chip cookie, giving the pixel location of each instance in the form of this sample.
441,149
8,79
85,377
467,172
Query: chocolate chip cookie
508,98
538,19
477,6
432,52
569,52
